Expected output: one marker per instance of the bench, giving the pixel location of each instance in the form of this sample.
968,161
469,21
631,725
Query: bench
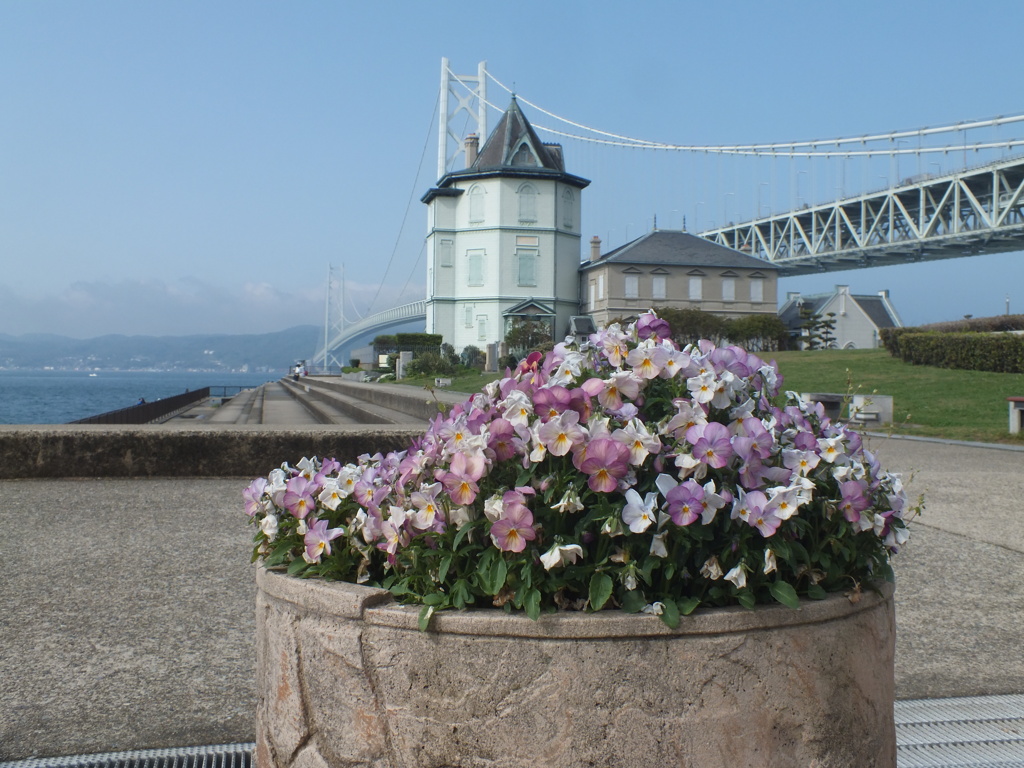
1016,414
442,382
871,409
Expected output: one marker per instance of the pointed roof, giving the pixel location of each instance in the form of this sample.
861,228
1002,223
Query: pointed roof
512,150
514,144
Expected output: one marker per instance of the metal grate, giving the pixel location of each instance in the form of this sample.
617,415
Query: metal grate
216,756
978,732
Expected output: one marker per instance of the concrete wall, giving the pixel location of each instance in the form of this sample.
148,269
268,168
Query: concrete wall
55,451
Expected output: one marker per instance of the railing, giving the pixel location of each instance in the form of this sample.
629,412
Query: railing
143,413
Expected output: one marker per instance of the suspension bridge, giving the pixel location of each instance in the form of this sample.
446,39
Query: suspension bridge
969,202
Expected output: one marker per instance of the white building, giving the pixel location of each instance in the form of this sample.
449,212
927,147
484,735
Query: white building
503,238
858,317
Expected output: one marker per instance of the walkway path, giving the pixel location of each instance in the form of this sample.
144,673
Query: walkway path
126,607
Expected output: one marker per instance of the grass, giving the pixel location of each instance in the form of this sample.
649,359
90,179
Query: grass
930,402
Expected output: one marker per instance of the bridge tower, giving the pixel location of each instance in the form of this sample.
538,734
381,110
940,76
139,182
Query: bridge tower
503,237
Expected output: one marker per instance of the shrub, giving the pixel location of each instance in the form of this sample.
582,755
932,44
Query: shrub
473,357
430,364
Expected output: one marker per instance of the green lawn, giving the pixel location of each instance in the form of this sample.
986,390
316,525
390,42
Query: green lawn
935,402
932,402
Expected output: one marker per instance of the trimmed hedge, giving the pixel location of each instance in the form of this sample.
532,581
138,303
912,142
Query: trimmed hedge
995,352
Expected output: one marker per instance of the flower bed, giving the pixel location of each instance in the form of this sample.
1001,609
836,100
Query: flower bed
621,472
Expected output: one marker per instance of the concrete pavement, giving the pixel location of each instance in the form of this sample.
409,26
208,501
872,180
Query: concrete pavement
126,605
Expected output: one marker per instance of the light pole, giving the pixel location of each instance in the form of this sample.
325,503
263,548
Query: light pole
799,197
763,184
895,170
725,207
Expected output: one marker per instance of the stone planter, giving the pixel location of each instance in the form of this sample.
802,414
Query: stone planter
346,679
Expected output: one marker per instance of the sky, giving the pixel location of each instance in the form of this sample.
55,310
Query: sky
174,168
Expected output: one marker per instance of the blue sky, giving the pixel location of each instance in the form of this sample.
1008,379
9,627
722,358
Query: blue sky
192,167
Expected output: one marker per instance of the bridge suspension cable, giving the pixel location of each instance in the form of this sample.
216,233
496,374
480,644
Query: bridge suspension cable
843,146
408,207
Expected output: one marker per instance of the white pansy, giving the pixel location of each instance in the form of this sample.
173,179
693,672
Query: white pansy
269,526
639,513
737,576
658,548
769,562
561,555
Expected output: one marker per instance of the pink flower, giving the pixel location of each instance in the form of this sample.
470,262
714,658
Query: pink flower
647,362
855,499
253,496
685,502
711,444
515,527
298,496
318,540
500,439
548,403
561,433
606,462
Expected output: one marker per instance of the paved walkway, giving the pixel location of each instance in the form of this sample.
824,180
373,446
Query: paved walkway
126,606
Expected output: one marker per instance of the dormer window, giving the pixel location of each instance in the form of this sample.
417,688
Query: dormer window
524,155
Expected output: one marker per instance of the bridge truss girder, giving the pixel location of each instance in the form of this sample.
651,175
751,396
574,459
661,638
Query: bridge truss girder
962,214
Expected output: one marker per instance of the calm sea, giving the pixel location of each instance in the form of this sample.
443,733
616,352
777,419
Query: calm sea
57,397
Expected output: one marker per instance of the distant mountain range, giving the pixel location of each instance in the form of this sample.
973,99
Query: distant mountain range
214,352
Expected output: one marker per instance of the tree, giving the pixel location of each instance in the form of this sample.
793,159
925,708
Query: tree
758,333
826,329
472,357
525,335
691,325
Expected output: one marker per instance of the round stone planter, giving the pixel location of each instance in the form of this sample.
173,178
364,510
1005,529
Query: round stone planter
345,678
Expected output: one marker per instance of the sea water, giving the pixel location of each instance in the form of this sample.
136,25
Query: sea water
57,397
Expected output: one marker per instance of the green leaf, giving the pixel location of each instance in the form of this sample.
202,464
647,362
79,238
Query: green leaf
462,533
600,590
633,601
446,563
297,566
425,613
670,614
532,604
689,605
499,574
434,598
785,594
815,592
492,577
461,596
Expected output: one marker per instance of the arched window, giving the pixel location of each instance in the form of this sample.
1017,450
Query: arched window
476,204
527,204
568,208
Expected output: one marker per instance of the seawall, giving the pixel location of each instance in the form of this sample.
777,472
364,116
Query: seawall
57,451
